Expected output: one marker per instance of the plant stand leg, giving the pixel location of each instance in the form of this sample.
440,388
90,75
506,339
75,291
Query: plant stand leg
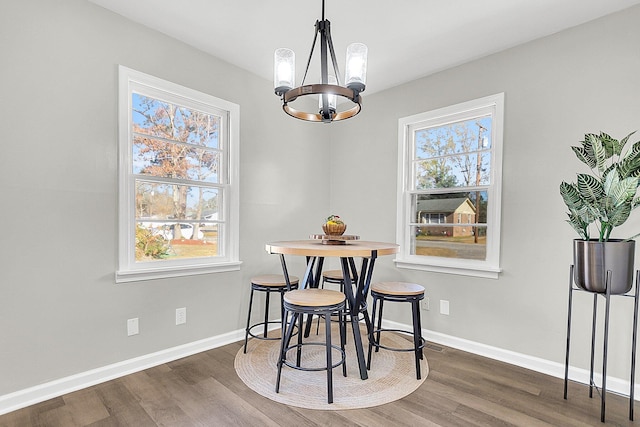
566,359
604,351
593,343
634,339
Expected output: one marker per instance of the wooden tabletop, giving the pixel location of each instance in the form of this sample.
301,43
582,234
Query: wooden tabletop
356,248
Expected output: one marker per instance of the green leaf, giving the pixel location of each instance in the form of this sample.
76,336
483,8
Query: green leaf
599,152
620,214
605,207
610,179
629,165
588,147
571,195
611,145
622,192
584,156
579,226
590,188
588,213
624,140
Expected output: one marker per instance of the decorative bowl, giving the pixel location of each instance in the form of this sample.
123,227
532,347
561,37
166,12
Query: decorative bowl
334,229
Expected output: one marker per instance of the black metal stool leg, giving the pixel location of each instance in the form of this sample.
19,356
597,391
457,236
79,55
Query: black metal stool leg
284,343
367,320
342,324
266,314
415,313
282,306
379,324
327,326
371,332
299,349
422,341
246,332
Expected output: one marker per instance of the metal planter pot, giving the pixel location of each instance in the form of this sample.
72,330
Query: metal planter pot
592,259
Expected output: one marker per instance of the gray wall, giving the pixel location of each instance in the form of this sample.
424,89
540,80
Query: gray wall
556,89
61,312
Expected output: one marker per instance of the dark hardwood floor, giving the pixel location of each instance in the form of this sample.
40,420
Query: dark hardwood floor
462,389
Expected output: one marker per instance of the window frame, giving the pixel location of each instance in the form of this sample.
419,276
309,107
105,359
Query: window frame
128,270
490,267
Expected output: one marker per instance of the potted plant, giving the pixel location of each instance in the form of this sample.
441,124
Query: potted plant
602,201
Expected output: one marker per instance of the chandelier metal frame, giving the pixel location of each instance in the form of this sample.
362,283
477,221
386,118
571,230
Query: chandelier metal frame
351,92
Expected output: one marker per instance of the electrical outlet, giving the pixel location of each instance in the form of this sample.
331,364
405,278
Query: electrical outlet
132,327
424,304
181,315
444,307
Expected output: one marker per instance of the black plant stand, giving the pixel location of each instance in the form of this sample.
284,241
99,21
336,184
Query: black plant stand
607,296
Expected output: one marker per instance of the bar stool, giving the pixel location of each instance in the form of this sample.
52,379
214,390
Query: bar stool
335,277
397,292
268,283
299,302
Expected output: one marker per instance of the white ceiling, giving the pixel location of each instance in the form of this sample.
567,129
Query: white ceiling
407,39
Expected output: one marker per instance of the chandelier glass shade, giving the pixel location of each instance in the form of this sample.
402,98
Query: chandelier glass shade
329,88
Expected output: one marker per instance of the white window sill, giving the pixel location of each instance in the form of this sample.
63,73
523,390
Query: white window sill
485,271
163,273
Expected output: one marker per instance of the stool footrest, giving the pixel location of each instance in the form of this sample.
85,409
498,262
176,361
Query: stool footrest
343,357
261,336
377,331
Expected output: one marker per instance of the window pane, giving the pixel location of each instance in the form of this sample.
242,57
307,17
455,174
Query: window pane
453,155
164,159
446,225
453,138
162,119
158,201
175,240
203,165
472,169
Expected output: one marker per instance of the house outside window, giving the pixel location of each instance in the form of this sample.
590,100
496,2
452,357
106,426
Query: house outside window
178,180
450,163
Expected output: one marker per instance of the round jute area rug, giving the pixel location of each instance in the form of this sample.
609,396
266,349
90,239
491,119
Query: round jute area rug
392,375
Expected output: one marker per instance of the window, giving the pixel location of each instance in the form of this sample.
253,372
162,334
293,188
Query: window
449,181
178,180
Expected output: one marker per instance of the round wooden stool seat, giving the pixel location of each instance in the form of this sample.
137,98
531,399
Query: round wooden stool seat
314,297
397,288
273,280
334,275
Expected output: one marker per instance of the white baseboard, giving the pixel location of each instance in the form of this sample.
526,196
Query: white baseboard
32,395
554,369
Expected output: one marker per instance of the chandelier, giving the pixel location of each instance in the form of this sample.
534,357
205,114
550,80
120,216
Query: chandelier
330,87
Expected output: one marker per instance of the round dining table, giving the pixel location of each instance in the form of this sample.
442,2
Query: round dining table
356,282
